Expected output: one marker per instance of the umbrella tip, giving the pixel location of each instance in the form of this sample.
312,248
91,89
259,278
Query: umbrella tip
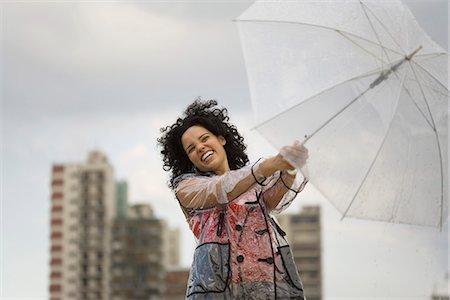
413,53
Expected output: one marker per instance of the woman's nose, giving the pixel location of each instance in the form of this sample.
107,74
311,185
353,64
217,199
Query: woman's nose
201,148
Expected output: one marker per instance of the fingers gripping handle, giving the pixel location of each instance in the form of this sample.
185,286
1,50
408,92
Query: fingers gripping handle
296,155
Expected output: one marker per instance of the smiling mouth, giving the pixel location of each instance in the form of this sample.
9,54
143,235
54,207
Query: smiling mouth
207,155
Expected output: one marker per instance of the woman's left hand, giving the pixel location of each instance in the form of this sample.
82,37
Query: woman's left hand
295,155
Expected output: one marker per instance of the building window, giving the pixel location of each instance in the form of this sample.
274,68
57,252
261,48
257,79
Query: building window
57,182
304,219
56,235
72,295
56,208
56,262
72,280
57,196
57,222
55,275
58,168
56,248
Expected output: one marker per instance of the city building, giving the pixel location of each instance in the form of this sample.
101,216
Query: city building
121,199
82,210
440,297
141,255
304,234
172,247
441,290
101,247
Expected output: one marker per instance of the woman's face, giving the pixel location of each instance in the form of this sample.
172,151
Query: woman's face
205,150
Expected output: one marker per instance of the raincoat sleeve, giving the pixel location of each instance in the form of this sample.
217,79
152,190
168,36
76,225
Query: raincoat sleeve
283,190
197,191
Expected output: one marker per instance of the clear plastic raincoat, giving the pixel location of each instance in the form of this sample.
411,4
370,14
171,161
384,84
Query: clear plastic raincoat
242,252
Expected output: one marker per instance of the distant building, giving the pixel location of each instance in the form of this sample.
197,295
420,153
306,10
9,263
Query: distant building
439,297
101,247
171,247
82,209
140,255
304,234
121,199
441,290
176,283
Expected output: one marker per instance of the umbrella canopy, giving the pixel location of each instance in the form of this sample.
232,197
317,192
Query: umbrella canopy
364,87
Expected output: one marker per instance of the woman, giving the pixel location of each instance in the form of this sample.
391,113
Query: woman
242,252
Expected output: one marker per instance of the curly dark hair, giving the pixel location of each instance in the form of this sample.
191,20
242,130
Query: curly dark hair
207,115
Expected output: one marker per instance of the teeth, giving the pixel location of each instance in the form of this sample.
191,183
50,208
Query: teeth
206,155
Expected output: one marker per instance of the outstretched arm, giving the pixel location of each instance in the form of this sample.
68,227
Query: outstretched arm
206,192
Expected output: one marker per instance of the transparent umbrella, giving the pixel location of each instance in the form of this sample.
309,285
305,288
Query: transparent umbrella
365,89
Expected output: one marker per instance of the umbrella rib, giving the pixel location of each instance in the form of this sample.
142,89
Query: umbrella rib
374,71
418,108
376,82
362,48
353,101
436,90
335,115
437,143
315,95
319,26
363,6
430,54
382,25
376,155
396,204
431,75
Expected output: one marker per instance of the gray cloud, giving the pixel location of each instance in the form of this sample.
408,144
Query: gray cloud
116,57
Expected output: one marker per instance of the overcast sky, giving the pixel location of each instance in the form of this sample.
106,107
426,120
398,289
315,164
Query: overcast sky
107,75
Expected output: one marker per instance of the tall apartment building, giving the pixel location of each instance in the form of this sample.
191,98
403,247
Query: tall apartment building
304,233
440,297
82,210
441,290
143,249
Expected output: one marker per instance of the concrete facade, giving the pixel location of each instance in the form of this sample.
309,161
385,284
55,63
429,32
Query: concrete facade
304,234
82,210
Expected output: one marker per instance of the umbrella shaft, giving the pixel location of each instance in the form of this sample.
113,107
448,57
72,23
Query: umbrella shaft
385,74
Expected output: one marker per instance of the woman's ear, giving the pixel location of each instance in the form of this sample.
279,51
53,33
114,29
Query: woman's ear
222,140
